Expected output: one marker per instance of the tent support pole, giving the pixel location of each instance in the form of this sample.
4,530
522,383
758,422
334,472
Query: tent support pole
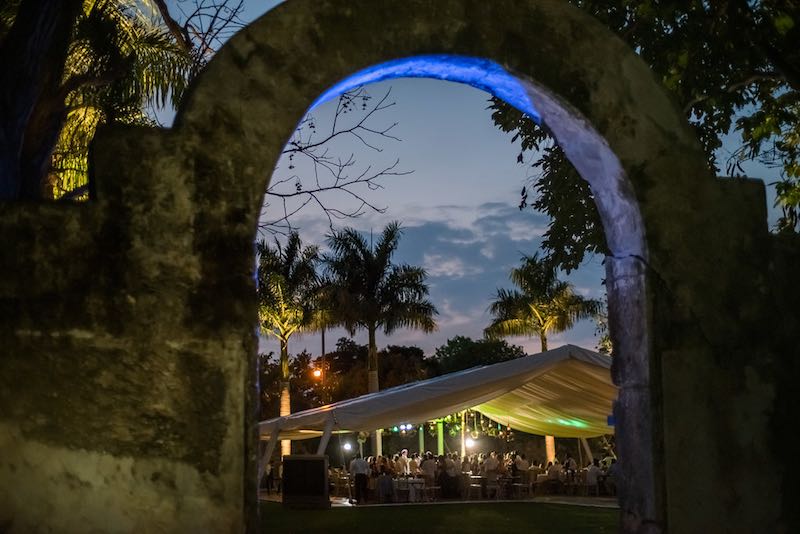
262,465
326,436
421,431
463,438
440,437
587,449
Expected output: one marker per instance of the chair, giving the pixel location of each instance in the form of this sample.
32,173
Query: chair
432,492
589,489
475,489
416,491
523,487
402,490
493,489
385,489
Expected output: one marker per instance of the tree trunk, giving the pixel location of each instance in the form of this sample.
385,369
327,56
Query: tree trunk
324,370
543,339
41,138
372,385
286,409
372,362
286,405
32,59
550,448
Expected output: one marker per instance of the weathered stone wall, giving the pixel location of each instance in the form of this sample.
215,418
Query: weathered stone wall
127,324
123,384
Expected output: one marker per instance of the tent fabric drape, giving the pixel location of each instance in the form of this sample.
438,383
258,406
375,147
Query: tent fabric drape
564,392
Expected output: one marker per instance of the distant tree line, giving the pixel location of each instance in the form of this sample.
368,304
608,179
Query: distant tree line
345,369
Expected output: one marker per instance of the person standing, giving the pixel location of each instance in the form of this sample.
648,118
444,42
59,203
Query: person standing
270,476
592,475
413,464
404,463
359,470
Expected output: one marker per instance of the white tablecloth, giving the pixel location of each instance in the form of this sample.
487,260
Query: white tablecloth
414,486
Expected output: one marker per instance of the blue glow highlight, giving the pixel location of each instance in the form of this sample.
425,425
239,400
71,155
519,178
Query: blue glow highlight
480,73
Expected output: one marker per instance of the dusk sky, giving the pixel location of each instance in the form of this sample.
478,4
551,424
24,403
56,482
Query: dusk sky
458,208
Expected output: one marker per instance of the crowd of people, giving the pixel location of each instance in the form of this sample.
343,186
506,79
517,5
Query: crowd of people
373,476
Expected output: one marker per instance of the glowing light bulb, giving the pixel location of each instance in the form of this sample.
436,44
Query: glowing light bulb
469,442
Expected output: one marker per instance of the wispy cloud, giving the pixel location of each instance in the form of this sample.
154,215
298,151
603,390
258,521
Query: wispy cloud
451,316
437,265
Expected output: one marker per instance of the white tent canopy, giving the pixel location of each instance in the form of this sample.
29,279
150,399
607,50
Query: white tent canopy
565,392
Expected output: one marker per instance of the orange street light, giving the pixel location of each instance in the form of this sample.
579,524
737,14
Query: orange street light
317,373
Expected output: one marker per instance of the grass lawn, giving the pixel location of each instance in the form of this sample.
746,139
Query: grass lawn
458,518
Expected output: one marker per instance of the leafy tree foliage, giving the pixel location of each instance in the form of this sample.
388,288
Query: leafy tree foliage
77,64
304,391
463,352
73,65
346,372
731,64
542,305
402,365
345,375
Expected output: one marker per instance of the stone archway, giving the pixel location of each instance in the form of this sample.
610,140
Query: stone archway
156,302
599,100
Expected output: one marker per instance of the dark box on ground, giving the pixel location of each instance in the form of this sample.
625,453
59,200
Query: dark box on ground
305,481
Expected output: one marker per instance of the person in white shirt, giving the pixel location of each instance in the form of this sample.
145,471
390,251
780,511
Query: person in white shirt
359,469
413,464
428,468
491,467
521,462
404,463
592,472
450,466
449,476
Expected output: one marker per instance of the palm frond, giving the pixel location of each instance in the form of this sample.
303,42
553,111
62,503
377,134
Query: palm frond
120,61
541,305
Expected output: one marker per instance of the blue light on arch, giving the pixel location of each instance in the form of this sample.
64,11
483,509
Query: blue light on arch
480,73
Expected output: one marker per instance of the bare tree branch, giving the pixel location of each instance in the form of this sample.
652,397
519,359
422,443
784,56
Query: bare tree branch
335,184
178,32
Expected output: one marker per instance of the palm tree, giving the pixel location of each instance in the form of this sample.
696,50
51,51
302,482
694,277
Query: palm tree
113,61
371,293
542,305
136,63
287,281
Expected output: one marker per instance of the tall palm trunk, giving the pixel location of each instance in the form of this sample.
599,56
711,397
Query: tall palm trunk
32,58
373,386
372,362
324,369
549,441
550,448
286,406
